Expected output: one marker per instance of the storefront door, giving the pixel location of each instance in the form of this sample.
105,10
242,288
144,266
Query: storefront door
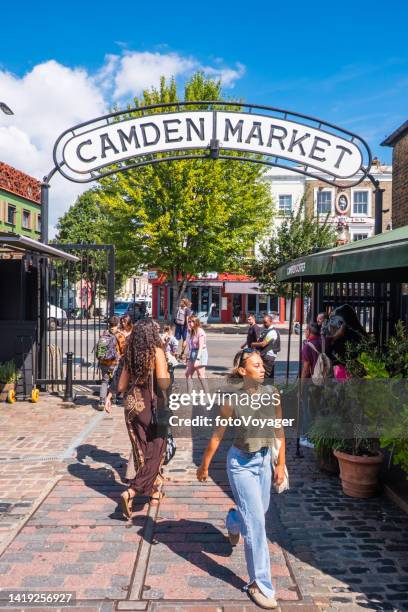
206,301
215,304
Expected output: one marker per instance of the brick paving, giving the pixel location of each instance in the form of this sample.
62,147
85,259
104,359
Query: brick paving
328,552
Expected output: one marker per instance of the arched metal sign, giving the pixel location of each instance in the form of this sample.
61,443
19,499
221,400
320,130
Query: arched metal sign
189,130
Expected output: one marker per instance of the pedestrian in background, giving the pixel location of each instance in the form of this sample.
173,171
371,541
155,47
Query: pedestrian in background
253,331
144,377
236,311
170,345
268,345
108,351
126,325
197,353
181,321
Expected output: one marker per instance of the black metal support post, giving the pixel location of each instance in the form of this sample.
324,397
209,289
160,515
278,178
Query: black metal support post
111,283
69,394
44,210
378,199
289,333
378,204
299,406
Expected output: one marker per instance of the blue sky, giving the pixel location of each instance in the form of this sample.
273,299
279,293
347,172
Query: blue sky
346,63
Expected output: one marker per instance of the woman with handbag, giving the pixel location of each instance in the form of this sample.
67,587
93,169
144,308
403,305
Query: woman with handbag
144,372
249,466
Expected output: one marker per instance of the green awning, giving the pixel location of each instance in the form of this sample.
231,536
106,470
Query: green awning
380,258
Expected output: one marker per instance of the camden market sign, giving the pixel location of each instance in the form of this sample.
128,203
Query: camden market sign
129,139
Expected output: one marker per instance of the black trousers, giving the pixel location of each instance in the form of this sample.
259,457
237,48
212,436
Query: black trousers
269,365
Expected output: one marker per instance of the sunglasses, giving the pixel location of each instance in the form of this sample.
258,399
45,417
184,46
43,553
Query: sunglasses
246,351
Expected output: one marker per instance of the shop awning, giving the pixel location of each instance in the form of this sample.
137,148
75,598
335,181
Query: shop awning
380,258
243,287
204,283
16,242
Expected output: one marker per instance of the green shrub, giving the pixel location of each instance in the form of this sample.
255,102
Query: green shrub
8,373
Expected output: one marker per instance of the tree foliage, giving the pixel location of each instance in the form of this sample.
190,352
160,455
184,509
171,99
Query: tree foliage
83,222
298,235
185,217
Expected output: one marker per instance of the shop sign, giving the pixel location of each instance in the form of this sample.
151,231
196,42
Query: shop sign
119,141
152,275
296,268
207,275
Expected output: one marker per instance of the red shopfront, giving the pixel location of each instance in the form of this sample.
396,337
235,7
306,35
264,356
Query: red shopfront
216,297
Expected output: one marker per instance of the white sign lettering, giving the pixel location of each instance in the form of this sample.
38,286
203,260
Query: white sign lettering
288,139
97,146
296,268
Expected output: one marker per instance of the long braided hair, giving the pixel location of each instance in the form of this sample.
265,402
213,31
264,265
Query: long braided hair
141,349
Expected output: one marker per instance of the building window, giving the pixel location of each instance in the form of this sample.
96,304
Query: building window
263,304
251,302
26,219
360,203
38,223
11,214
285,204
324,202
360,236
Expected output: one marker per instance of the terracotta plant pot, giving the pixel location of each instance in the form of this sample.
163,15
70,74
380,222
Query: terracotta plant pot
5,388
359,475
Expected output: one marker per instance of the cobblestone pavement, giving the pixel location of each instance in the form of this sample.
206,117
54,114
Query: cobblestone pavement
61,475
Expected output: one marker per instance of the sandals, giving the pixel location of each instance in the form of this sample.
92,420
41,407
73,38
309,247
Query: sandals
156,498
157,494
126,502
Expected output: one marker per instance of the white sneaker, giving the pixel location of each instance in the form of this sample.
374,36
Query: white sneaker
303,441
254,593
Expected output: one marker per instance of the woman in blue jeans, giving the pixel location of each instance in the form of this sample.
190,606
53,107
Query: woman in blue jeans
250,474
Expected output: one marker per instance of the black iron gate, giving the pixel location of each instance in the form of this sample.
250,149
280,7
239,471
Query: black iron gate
376,304
77,301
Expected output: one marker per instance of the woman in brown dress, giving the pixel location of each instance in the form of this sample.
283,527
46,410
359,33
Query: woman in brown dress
144,372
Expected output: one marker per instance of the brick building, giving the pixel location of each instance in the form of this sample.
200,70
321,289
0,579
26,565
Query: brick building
20,203
398,140
352,208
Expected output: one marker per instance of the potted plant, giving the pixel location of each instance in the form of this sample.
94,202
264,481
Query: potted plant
8,379
366,402
322,434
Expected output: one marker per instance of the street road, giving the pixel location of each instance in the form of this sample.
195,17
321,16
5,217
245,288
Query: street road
221,349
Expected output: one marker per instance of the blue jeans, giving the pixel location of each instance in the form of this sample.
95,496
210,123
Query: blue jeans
250,476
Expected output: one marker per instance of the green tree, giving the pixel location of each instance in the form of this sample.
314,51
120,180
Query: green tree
83,222
298,235
186,217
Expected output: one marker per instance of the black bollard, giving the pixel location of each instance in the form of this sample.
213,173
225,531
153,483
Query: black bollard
69,395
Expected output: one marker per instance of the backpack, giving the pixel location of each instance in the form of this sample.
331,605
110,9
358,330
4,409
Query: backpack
323,366
180,316
107,347
274,345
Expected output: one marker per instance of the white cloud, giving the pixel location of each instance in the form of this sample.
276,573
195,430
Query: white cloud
228,76
52,97
137,71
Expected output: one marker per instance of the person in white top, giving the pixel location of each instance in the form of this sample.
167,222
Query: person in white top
268,345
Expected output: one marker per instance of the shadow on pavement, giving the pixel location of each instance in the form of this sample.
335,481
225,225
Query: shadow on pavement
192,540
104,480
